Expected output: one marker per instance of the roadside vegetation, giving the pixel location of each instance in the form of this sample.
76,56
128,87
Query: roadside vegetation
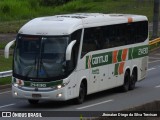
14,13
6,80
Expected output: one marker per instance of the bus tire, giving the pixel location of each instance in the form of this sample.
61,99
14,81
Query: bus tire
82,94
33,102
125,86
133,80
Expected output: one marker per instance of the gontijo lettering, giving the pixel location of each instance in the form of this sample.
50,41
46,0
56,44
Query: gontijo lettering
100,59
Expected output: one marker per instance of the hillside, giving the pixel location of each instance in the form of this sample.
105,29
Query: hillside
14,13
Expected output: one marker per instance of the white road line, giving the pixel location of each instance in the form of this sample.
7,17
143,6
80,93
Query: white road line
94,104
4,92
154,58
157,86
154,61
151,69
7,105
157,54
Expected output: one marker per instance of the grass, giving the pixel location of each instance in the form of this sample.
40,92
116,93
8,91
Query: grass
6,80
5,64
14,13
11,26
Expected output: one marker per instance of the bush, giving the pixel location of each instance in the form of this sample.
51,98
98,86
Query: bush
34,3
5,8
53,2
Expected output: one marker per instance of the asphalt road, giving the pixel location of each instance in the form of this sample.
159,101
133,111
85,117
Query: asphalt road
111,100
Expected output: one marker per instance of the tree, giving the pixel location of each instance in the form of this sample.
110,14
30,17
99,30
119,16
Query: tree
155,18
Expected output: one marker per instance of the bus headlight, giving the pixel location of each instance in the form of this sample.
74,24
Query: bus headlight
62,85
15,84
59,95
18,83
59,86
15,93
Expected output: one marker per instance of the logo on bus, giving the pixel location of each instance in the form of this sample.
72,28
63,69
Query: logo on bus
98,60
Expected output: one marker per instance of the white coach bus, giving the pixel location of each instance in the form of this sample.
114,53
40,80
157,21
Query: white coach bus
70,56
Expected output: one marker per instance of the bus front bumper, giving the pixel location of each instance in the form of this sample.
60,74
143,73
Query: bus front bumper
57,95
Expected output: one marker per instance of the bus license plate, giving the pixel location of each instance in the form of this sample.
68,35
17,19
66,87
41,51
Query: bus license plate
36,95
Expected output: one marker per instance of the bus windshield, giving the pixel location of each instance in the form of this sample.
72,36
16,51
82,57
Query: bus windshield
40,57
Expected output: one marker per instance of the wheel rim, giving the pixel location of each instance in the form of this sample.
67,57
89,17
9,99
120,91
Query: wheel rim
133,81
82,93
126,82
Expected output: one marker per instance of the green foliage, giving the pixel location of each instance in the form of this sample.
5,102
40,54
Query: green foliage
14,13
12,10
53,2
6,80
11,27
6,64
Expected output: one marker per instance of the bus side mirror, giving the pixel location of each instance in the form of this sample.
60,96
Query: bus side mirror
7,47
69,50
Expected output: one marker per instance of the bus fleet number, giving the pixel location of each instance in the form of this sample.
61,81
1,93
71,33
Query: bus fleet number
143,51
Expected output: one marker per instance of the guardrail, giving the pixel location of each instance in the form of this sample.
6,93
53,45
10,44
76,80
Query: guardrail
5,73
152,45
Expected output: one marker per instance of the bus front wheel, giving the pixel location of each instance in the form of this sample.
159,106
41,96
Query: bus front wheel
82,94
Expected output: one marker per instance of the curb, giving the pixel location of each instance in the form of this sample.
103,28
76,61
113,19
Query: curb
5,86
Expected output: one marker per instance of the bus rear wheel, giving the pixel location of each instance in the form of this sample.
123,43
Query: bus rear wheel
133,80
33,102
125,86
82,94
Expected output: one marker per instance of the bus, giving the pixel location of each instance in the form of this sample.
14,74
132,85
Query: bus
70,56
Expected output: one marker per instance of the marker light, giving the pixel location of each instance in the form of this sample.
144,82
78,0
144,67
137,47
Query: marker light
59,95
15,85
59,86
15,93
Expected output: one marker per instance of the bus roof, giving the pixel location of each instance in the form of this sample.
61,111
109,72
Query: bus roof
68,23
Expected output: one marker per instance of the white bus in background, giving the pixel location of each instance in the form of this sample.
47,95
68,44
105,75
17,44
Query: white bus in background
70,56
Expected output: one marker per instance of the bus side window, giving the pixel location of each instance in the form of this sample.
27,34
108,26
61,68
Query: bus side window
88,41
76,36
99,38
106,32
112,36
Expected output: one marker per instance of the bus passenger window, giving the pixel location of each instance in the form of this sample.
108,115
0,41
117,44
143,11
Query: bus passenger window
88,42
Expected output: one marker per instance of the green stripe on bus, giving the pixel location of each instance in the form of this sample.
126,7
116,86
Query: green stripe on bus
140,51
130,53
119,57
106,58
101,59
116,69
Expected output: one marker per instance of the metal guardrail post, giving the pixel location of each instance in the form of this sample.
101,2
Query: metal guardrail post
6,74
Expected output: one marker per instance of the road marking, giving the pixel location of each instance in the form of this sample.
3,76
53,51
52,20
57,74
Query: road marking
154,61
157,86
7,105
4,92
157,54
154,58
94,104
151,69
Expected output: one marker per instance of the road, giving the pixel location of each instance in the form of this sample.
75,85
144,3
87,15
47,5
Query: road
111,100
